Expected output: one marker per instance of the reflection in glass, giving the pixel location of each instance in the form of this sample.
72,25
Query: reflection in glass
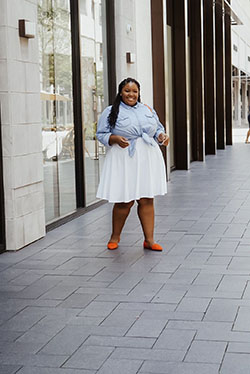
94,91
57,107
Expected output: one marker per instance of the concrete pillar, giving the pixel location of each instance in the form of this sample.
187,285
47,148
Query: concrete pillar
228,77
209,78
197,88
219,57
180,85
244,101
237,106
21,127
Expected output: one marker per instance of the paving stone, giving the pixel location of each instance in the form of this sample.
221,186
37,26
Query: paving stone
88,357
124,298
36,370
186,368
175,339
238,348
9,369
148,354
106,275
235,363
219,260
195,258
122,318
60,292
206,278
146,289
209,240
147,328
78,301
235,230
122,366
246,294
172,315
67,341
9,336
221,310
206,352
147,307
127,281
217,229
183,276
111,341
101,291
20,347
23,320
26,278
98,309
109,330
41,333
157,367
242,322
190,304
240,263
232,283
36,360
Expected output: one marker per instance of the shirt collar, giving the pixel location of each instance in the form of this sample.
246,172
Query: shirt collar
129,106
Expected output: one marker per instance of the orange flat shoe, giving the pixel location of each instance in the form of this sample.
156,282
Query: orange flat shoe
112,245
154,247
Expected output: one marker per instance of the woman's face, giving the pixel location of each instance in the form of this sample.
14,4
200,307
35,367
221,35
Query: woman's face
130,94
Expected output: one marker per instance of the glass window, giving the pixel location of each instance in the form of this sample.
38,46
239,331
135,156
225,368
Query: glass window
83,7
94,91
54,30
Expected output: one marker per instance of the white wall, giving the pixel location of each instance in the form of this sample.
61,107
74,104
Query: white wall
241,35
125,39
21,128
144,49
133,34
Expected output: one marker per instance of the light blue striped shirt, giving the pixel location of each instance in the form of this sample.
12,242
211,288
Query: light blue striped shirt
132,122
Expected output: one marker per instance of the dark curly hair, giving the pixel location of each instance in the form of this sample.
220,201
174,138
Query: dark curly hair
115,107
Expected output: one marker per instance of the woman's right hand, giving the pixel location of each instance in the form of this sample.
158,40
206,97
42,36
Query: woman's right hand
120,140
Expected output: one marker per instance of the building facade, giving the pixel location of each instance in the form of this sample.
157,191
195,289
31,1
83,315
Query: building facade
241,63
60,63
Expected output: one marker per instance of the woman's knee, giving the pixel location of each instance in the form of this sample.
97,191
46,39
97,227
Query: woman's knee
125,205
145,201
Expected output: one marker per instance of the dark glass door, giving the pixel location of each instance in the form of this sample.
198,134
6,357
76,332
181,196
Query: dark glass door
2,218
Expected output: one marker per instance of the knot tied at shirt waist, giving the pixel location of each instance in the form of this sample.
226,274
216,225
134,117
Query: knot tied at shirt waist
146,138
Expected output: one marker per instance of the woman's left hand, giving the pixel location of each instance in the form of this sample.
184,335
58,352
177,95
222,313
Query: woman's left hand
163,139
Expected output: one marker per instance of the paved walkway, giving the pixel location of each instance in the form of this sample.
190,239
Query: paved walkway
69,306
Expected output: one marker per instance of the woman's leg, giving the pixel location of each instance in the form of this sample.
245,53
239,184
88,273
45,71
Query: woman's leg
146,215
248,134
119,216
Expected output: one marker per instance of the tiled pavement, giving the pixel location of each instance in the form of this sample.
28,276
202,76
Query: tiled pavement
68,305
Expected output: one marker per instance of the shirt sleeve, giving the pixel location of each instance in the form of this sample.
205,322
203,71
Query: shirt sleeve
103,128
160,128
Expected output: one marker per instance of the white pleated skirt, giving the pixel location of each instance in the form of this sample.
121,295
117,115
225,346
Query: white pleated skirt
126,178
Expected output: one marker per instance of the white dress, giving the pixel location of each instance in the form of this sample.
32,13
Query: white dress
125,178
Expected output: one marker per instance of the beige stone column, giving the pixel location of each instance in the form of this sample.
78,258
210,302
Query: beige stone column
237,100
21,126
244,101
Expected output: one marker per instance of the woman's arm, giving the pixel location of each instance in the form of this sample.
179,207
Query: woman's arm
103,132
160,136
105,136
120,140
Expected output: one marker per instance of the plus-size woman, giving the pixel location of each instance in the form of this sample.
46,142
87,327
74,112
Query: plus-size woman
134,168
